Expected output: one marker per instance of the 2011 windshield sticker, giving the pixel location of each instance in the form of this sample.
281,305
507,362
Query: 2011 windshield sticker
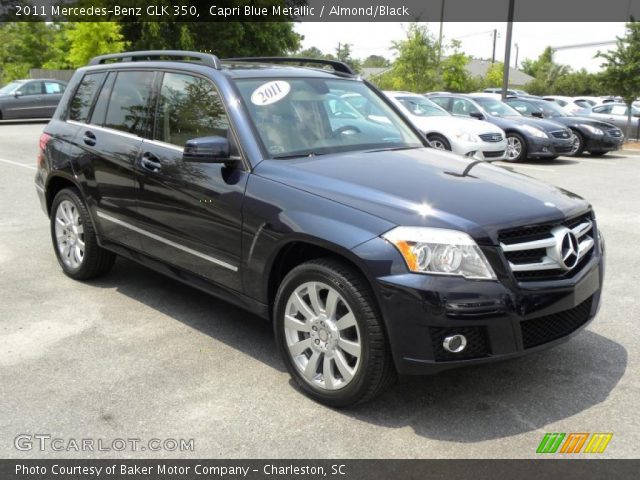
270,92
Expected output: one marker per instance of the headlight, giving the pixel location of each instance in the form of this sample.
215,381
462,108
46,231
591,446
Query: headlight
440,251
593,130
536,132
465,137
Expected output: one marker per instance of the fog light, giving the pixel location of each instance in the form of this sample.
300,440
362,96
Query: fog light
454,343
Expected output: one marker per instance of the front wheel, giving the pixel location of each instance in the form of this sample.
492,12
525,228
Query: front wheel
74,239
578,145
439,142
330,334
516,148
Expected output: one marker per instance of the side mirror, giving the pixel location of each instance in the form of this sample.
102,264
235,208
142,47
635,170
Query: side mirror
209,150
477,115
537,114
17,94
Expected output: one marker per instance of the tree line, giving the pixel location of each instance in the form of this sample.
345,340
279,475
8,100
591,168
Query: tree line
421,64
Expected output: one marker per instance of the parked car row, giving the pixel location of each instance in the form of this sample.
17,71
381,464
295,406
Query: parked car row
481,126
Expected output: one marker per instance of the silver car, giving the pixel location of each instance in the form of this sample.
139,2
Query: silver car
37,98
617,113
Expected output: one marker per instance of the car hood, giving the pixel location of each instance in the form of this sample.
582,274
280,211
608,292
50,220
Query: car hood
449,124
575,121
515,122
425,187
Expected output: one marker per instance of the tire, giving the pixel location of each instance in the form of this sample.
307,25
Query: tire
313,342
516,148
439,142
578,145
74,240
598,153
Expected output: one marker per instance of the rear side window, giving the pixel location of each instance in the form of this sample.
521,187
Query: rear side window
53,87
189,107
83,99
128,106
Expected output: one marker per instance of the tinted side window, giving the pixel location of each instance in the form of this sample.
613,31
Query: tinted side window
83,99
189,107
522,107
31,88
443,102
100,109
128,106
604,109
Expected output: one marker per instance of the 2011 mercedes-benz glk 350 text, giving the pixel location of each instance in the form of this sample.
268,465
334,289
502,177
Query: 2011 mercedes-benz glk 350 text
371,253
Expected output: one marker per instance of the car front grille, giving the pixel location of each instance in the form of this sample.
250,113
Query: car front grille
615,133
491,137
493,154
537,252
561,134
477,342
539,331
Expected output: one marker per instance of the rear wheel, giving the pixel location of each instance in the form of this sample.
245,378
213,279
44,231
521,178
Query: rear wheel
74,239
516,148
439,142
330,334
578,145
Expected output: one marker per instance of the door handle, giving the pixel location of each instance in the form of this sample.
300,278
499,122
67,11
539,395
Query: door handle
150,162
89,138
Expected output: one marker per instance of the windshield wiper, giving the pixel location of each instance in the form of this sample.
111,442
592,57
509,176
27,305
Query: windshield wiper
393,149
297,155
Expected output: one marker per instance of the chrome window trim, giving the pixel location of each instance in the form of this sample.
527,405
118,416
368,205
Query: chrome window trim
153,236
105,129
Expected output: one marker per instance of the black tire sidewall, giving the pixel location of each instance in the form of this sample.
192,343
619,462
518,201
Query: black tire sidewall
70,195
310,273
581,146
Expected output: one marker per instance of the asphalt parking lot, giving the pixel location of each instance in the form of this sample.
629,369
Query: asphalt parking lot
135,355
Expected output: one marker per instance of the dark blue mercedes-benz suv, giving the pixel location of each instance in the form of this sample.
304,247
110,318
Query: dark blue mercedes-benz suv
371,253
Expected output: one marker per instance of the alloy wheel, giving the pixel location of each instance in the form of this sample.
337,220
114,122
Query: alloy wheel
322,336
514,148
69,234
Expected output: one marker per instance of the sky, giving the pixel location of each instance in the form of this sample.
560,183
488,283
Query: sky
477,39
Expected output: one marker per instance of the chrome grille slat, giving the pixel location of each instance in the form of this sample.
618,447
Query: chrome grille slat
543,250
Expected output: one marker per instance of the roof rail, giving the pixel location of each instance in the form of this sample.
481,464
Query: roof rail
337,66
179,55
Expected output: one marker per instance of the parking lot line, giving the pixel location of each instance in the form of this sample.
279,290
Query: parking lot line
18,164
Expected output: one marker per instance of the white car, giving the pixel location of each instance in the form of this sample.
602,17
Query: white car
567,103
472,138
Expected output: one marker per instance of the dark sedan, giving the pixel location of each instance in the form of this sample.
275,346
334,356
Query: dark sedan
589,134
36,98
526,137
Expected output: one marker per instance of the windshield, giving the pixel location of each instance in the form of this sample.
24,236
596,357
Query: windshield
552,109
422,107
497,108
10,87
309,116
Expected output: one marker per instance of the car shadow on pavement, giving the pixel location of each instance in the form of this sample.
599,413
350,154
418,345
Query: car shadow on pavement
503,399
465,405
216,318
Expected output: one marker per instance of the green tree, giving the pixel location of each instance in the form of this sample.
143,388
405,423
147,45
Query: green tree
415,68
314,52
89,39
343,53
375,61
622,67
494,75
454,73
24,45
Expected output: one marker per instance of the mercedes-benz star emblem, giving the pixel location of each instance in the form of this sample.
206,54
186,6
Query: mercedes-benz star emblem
569,250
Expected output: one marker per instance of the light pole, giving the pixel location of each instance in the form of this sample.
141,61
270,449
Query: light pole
517,52
507,51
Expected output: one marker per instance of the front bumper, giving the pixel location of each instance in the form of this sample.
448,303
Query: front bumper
481,150
548,147
500,319
604,143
